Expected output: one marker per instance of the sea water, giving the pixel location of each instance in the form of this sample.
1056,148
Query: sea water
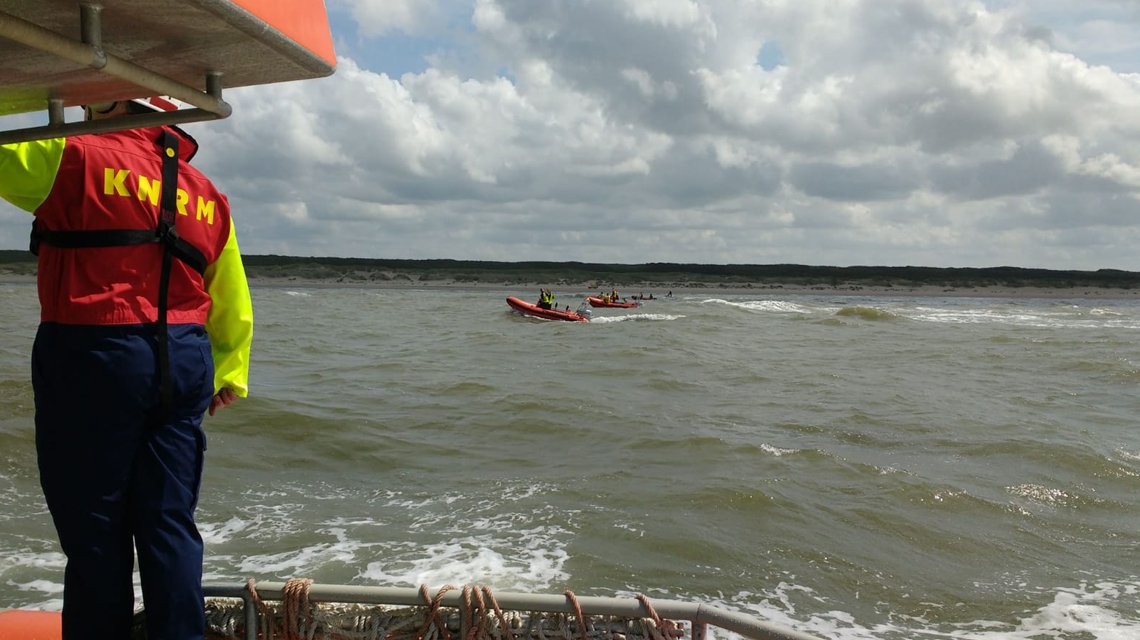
853,467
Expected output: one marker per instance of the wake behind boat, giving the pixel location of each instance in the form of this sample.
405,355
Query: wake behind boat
533,310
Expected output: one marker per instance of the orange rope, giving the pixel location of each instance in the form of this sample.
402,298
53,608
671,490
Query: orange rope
478,615
477,604
503,624
262,608
644,600
466,618
432,614
664,628
578,612
295,595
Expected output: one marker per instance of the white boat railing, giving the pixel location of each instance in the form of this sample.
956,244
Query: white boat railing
699,616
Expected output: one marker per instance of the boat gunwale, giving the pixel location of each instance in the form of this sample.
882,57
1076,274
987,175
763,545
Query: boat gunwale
699,615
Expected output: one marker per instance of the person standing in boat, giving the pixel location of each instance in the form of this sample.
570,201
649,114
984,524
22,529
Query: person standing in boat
545,299
145,326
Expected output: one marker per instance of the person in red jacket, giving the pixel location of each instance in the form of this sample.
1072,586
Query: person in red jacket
145,326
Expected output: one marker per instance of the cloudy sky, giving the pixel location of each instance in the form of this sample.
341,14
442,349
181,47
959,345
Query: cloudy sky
825,132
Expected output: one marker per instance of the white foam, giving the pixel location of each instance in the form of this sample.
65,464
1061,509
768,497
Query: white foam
220,533
776,451
52,560
1068,317
42,586
1129,455
634,317
303,561
775,306
1091,611
472,560
1082,611
487,547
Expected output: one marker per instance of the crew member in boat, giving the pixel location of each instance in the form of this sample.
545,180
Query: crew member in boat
145,326
545,299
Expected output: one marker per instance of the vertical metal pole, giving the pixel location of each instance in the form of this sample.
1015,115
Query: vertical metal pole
464,624
91,32
55,112
91,24
214,84
250,611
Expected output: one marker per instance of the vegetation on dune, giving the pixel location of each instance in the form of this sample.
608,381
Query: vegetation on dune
658,274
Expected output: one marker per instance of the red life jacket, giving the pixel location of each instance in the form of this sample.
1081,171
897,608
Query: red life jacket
110,184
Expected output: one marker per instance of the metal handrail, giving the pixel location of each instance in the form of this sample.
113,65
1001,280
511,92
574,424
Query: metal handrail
699,615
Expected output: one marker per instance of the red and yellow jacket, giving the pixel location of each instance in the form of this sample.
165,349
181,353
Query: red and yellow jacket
112,182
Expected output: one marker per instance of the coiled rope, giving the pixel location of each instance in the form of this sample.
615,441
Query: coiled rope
294,604
432,615
480,618
662,628
296,600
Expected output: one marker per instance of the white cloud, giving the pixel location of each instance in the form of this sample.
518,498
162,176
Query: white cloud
948,133
383,17
667,13
651,127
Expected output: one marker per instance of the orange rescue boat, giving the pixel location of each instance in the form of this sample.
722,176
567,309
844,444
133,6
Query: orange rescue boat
533,310
595,301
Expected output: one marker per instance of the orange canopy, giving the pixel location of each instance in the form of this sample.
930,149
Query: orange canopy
59,53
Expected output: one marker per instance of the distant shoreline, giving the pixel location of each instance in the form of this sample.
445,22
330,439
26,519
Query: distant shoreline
576,279
659,291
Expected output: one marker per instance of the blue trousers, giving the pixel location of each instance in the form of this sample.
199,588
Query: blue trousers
116,479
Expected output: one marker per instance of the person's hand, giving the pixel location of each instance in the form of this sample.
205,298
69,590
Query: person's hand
223,398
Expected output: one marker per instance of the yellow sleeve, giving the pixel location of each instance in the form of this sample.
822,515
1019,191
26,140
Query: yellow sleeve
230,320
28,170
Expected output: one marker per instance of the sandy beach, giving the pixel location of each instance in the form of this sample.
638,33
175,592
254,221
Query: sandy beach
660,290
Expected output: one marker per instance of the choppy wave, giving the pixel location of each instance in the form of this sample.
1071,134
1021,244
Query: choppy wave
866,313
858,468
1093,611
1039,316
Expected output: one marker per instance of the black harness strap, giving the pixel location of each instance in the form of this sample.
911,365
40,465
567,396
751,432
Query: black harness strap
181,249
167,234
